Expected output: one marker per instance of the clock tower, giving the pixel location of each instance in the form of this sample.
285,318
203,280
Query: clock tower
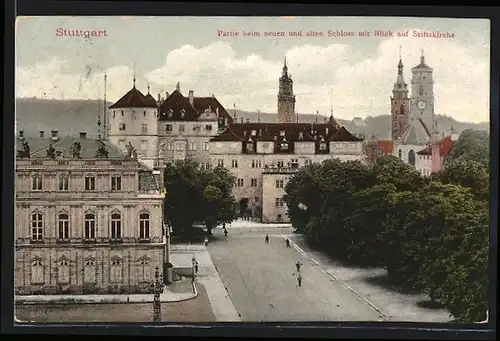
422,93
400,104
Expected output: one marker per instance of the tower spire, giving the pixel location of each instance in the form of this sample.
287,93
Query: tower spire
331,103
134,75
105,112
148,87
178,86
422,58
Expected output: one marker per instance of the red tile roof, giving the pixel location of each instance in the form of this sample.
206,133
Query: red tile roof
133,99
386,146
445,146
292,132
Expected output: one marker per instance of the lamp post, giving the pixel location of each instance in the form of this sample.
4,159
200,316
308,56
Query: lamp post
157,290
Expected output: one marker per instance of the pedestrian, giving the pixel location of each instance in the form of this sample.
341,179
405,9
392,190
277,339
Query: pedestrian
299,280
225,232
206,241
287,241
297,265
196,268
267,239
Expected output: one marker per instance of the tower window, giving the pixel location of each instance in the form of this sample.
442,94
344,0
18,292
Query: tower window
122,113
144,113
421,90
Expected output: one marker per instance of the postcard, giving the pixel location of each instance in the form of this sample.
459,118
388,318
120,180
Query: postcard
251,169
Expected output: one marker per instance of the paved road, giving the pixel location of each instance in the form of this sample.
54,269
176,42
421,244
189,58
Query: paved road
263,287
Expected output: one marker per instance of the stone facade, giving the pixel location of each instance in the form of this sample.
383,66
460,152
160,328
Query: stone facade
85,223
274,181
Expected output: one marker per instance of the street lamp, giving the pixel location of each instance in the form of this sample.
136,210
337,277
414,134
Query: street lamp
157,287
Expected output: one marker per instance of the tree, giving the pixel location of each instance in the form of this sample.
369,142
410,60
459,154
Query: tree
469,173
391,170
197,194
472,145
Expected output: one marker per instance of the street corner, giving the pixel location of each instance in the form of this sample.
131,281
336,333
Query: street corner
180,291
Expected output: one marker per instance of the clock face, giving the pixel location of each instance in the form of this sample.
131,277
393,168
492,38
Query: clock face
421,105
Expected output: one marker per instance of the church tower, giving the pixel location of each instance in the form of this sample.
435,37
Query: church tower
286,98
422,94
400,104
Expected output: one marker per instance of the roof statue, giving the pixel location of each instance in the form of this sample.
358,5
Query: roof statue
131,152
102,151
25,152
51,152
76,147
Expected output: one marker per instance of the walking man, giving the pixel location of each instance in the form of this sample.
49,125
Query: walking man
299,280
196,268
287,241
297,265
267,239
225,232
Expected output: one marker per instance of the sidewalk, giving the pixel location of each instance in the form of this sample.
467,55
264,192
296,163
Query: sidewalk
240,223
175,292
222,305
369,285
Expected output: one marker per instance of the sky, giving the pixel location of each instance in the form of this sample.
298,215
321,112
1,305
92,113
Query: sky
351,75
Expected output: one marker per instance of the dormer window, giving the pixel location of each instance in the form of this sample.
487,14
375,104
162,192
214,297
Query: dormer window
170,113
254,132
301,135
183,113
282,133
250,146
284,145
322,145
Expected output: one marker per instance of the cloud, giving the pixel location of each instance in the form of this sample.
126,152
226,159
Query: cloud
324,76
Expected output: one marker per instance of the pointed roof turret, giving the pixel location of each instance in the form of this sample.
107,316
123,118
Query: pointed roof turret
400,90
422,64
285,69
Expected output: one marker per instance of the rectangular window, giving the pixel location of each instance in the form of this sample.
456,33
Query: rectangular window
220,163
280,163
234,163
196,128
116,183
36,183
256,164
36,226
253,183
144,145
240,182
168,128
90,183
181,128
63,183
179,147
208,165
208,127
144,128
280,183
294,163
116,229
144,229
122,127
279,202
205,145
256,199
170,146
192,146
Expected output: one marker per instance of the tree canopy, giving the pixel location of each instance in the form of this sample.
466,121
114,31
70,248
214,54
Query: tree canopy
428,232
472,145
198,195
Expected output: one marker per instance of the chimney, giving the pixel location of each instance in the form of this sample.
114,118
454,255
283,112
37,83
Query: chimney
326,131
54,135
159,98
248,120
21,134
213,96
42,133
191,97
83,135
166,95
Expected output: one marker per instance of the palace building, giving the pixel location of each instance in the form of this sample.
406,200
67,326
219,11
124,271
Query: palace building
89,219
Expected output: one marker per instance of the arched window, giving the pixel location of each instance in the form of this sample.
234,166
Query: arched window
63,271
63,226
89,226
411,157
116,268
144,225
145,270
37,271
116,226
400,154
36,226
90,271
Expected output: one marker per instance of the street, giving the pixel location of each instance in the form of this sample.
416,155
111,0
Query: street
262,281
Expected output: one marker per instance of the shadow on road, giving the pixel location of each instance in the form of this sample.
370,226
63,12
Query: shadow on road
386,282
